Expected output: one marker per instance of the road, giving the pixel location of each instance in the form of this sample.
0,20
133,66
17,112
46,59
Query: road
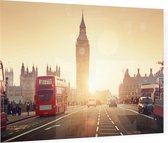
83,122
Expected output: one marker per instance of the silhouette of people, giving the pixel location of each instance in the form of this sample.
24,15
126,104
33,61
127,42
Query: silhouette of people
27,108
9,107
19,108
13,108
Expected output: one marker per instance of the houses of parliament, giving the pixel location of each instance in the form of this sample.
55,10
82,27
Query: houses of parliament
26,90
131,85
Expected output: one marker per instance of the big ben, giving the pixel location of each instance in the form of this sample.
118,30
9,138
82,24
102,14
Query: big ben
82,64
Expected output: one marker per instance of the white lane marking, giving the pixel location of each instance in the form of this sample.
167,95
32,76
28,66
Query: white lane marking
98,119
107,114
97,129
111,126
10,133
109,133
105,123
42,126
106,129
148,116
117,128
52,127
137,113
98,122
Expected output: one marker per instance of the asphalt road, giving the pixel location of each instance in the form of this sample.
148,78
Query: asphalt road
82,122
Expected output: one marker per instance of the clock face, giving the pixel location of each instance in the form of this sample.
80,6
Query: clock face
82,51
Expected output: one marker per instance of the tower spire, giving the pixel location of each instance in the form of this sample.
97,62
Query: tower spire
82,25
82,31
127,74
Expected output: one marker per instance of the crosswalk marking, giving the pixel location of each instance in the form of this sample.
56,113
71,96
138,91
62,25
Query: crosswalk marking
105,125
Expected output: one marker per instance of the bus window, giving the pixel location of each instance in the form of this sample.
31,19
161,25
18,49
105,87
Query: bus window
45,81
59,91
45,95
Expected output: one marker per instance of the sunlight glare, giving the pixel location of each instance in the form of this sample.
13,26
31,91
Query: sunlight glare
92,86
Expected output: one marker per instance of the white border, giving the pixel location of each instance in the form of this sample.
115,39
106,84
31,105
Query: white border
159,4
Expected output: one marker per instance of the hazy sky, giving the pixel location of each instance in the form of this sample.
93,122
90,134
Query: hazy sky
120,38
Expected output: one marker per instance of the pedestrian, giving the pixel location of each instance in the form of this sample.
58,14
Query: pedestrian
27,108
13,108
34,106
19,108
9,108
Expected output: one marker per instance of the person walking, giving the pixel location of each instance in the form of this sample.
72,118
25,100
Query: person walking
19,108
13,108
27,108
9,108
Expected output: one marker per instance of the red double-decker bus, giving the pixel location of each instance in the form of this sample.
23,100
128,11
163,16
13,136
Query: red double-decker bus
2,97
150,90
50,95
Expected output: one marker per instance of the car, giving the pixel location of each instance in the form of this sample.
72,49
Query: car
91,102
113,102
98,102
145,105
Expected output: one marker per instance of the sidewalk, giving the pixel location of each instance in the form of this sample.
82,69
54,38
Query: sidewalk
13,119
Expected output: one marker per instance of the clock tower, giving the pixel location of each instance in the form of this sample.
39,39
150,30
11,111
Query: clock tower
82,64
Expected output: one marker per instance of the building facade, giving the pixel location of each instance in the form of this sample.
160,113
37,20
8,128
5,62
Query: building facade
9,75
27,82
26,90
57,71
131,85
82,64
13,92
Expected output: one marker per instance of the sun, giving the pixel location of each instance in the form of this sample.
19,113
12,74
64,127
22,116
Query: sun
92,86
